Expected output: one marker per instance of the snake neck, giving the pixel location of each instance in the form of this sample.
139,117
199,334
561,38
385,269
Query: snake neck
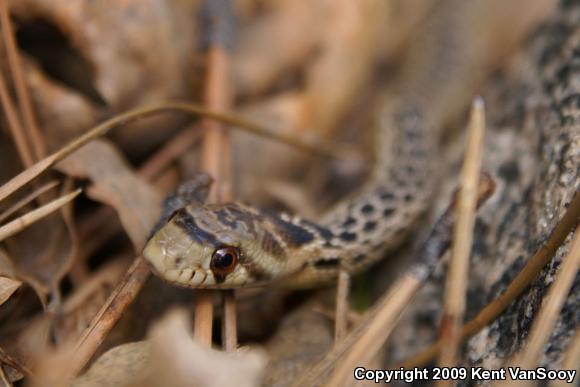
358,231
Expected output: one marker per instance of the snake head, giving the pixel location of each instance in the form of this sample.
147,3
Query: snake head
216,246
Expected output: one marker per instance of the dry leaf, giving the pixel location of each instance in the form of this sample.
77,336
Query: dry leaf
117,185
172,358
346,59
177,360
43,253
7,287
103,57
293,25
118,367
303,337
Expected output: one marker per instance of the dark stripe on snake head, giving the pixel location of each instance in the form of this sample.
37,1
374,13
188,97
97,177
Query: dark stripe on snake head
185,221
272,246
292,234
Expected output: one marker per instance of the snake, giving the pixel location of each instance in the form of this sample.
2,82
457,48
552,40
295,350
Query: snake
233,245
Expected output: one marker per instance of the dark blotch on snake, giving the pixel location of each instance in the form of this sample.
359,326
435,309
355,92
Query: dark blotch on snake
370,226
348,236
387,196
327,263
387,212
349,221
367,208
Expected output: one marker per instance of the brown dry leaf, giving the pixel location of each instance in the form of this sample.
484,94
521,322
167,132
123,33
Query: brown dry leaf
172,358
294,26
57,119
404,18
346,60
302,339
105,57
83,305
6,265
259,159
44,252
119,367
116,184
7,287
52,367
177,360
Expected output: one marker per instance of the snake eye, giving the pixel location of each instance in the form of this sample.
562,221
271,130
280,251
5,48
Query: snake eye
224,260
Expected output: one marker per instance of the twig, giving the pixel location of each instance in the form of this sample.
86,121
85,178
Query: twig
452,320
33,216
533,267
376,332
216,155
18,364
4,382
14,124
110,313
170,151
363,342
17,182
341,315
550,310
27,199
16,69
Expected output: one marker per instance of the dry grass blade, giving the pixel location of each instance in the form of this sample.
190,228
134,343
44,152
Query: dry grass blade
216,157
365,340
389,311
24,221
492,310
341,314
14,124
16,69
110,313
452,320
170,151
27,199
17,182
14,363
550,310
4,381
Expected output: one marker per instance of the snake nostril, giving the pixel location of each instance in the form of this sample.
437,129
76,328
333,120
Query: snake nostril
178,261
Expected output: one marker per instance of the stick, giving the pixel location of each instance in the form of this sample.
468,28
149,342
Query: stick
549,311
309,145
216,156
452,320
33,216
533,267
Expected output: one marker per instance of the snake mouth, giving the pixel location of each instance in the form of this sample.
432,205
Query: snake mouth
187,277
156,257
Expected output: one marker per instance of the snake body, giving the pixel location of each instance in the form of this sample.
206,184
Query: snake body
234,245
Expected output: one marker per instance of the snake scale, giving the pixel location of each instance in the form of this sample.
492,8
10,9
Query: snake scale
236,245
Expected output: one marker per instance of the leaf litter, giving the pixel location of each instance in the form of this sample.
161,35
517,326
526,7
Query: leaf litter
114,56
